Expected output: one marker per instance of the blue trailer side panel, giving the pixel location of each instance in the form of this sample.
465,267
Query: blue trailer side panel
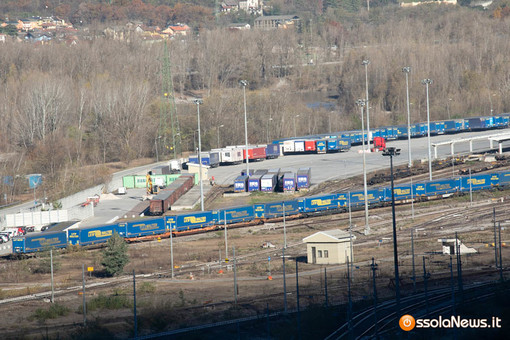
344,144
275,209
504,178
401,192
92,235
358,197
234,215
289,181
192,221
319,203
254,183
241,184
479,182
303,179
142,227
443,186
272,151
322,146
259,210
39,241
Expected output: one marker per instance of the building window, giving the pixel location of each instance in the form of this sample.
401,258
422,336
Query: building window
326,253
320,253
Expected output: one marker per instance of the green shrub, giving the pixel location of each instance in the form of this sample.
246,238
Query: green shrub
53,312
108,302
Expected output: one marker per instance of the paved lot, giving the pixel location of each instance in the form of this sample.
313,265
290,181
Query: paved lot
344,165
324,167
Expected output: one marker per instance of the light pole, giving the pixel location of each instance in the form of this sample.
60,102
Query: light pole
267,130
406,71
198,102
296,116
391,152
361,103
448,107
243,84
427,82
366,63
156,140
218,128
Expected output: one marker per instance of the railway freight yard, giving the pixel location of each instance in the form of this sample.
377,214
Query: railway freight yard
243,283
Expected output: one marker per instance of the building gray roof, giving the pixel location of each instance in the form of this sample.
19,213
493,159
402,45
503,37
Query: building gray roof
334,234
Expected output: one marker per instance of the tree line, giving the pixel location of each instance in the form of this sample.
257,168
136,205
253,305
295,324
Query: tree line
65,108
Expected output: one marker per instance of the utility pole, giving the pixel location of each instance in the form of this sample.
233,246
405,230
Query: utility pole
427,82
297,301
406,71
284,228
284,283
134,305
52,286
426,276
459,267
361,103
373,267
500,259
326,286
235,276
83,293
412,251
349,310
172,251
495,238
226,239
168,91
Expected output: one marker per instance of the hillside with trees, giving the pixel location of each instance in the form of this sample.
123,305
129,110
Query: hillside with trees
65,107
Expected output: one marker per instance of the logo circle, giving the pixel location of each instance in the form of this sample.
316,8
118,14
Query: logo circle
407,322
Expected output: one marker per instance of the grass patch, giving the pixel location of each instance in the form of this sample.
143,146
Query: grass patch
53,312
108,302
146,288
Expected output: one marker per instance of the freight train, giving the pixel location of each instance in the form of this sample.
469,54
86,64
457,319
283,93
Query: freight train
193,222
342,141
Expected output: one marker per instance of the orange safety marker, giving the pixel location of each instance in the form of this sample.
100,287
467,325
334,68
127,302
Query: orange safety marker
270,278
221,271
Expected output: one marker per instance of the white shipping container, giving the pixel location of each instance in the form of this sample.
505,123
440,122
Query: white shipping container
288,146
299,146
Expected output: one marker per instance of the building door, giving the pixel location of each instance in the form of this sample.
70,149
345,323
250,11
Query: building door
314,255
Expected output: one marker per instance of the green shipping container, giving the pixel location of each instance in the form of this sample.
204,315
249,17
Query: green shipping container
140,182
171,178
128,182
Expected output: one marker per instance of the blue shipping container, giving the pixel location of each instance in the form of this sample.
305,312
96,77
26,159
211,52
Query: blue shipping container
39,241
190,221
443,186
289,181
272,151
254,183
322,146
241,184
479,182
91,235
358,197
275,209
319,203
234,215
142,227
304,178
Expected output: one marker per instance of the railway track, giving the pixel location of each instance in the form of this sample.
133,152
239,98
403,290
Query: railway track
364,323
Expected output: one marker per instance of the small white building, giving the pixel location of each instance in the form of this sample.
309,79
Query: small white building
450,245
328,247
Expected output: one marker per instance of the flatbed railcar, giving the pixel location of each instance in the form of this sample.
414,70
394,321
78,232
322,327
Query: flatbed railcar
194,222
